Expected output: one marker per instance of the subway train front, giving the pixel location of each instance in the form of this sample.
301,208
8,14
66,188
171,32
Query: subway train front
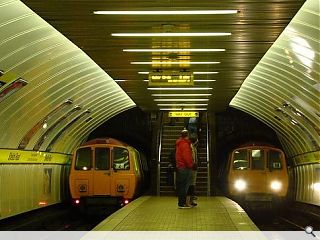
105,172
257,176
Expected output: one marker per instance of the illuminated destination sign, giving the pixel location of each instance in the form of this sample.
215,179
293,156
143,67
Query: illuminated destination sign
170,78
183,114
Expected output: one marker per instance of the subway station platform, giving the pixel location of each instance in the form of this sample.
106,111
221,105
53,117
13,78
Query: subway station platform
152,213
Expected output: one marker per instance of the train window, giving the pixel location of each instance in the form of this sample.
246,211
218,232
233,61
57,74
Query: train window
120,159
102,160
240,159
274,160
257,156
83,159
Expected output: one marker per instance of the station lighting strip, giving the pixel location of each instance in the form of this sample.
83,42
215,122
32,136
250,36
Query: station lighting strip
170,34
174,63
182,104
183,109
197,80
204,80
200,73
178,89
175,50
180,99
205,72
173,12
181,95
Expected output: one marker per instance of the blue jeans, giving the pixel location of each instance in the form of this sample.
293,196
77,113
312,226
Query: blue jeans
184,177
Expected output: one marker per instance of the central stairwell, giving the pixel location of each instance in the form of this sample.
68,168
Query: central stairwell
170,133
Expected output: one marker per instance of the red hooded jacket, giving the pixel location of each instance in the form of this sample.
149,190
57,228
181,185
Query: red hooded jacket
183,153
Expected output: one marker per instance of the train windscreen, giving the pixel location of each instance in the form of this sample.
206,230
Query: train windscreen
274,160
83,159
240,159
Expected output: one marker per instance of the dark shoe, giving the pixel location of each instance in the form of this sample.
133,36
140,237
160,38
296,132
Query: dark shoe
193,204
185,206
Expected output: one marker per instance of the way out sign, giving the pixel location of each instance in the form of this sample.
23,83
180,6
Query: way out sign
183,114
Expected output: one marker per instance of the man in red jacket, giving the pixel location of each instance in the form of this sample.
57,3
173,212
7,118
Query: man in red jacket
184,164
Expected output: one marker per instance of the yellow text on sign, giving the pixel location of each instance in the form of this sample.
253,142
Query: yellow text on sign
183,114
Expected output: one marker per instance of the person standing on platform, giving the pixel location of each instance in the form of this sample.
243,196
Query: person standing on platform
191,191
184,164
192,127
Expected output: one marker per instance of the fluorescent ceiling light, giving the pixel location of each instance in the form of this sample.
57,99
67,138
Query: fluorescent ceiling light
120,80
175,50
173,12
183,109
181,100
182,104
200,80
181,94
170,34
174,63
205,80
198,73
205,72
174,89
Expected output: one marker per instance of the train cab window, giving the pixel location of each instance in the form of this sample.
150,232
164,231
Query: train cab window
274,160
120,159
102,158
240,159
83,159
257,156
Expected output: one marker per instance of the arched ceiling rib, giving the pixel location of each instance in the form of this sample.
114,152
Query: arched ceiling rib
283,90
56,70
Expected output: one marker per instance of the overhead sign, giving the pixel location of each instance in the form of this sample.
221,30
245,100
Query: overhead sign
183,114
170,78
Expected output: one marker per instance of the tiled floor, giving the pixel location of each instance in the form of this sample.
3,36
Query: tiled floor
151,213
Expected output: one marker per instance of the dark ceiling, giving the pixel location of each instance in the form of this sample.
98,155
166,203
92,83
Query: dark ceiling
253,30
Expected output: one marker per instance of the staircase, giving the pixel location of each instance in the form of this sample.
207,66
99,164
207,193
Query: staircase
170,133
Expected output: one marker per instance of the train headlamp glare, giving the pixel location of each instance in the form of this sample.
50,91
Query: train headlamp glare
240,185
276,185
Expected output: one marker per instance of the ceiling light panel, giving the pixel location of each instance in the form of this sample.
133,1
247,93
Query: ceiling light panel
182,104
200,73
181,94
205,80
181,89
170,34
175,50
181,100
183,109
172,63
172,12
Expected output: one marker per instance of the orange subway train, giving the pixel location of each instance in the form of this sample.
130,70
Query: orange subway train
105,172
257,176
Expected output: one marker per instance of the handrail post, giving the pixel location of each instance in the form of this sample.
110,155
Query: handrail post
208,158
159,155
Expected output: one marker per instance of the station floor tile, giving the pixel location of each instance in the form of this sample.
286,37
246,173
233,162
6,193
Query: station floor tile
153,213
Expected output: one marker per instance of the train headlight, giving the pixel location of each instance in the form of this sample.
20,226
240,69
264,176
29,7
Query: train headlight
276,185
240,185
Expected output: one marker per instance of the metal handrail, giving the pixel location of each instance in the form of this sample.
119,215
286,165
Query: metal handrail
208,158
159,155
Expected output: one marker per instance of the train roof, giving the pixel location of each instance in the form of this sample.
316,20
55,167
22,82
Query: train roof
255,144
107,140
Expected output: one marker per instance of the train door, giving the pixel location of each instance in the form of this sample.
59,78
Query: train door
120,176
259,171
101,175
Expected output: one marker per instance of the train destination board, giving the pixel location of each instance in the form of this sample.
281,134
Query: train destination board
170,78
